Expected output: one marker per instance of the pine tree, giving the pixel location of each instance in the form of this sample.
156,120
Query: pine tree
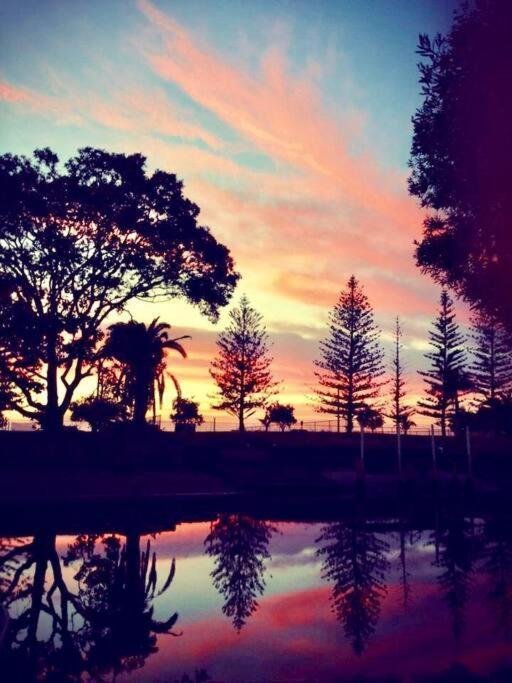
491,370
447,377
400,413
351,357
242,367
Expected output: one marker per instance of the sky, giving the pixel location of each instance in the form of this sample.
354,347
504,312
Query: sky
290,125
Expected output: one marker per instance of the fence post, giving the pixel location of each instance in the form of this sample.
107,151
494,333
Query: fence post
468,452
433,446
214,424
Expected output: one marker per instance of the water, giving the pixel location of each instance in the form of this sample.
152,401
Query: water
240,599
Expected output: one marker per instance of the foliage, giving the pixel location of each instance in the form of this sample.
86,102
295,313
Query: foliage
370,418
445,379
493,416
400,414
406,422
351,357
280,414
460,156
98,413
242,368
354,561
239,545
141,351
77,244
491,370
186,411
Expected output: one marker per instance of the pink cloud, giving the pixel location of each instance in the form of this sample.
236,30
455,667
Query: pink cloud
282,116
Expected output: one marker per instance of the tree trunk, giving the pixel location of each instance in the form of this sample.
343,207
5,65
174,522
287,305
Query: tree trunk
350,417
140,402
241,414
53,419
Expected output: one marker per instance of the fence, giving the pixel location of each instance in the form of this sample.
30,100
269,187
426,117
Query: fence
226,425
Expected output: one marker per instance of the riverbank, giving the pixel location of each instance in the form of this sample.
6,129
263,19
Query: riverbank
153,449
170,477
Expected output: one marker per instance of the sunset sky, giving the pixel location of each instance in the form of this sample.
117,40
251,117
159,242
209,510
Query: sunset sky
289,123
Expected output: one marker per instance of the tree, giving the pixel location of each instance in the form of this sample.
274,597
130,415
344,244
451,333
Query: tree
77,244
98,413
491,370
465,78
239,546
351,357
242,367
400,414
369,418
494,416
281,414
406,423
447,364
141,350
186,414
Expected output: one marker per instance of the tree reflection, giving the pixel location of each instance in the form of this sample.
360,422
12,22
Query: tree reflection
355,562
498,566
104,628
239,546
456,553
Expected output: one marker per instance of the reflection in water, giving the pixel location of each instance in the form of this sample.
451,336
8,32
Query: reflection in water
239,546
84,609
498,565
354,561
457,549
105,627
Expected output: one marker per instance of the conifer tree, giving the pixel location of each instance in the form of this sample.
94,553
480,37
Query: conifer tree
447,377
351,359
242,367
491,370
399,413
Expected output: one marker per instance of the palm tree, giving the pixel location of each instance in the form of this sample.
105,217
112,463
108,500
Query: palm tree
142,351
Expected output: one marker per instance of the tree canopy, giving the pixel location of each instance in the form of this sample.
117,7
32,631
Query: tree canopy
460,156
78,242
446,377
242,368
351,361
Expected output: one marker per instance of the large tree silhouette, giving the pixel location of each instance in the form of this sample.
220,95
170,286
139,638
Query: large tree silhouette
242,368
239,546
461,153
355,563
446,378
77,245
351,359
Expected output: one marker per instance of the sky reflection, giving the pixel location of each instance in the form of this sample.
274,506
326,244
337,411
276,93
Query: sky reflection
293,602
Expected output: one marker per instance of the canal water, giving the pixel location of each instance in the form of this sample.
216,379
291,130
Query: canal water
239,599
